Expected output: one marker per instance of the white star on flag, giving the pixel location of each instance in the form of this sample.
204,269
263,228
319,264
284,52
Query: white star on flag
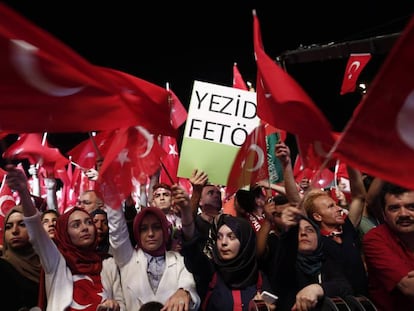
172,151
123,157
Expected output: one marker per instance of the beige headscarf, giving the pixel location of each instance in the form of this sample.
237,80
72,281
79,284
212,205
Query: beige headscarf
24,260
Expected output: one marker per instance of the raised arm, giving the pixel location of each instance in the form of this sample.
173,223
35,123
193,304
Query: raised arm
198,179
282,152
17,180
358,194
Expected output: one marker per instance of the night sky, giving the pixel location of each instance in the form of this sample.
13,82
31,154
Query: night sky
168,42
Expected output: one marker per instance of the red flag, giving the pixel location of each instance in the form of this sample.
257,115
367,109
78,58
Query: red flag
314,154
379,139
238,81
169,170
85,154
325,177
356,63
250,164
281,102
59,91
134,154
2,173
29,146
178,111
7,201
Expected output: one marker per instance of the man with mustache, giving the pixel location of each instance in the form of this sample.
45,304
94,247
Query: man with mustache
389,251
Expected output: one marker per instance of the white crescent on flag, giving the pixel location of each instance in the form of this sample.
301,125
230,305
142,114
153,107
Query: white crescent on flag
3,199
150,140
405,124
260,157
352,68
25,62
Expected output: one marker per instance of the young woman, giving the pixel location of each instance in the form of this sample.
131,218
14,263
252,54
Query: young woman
19,266
167,279
227,272
76,276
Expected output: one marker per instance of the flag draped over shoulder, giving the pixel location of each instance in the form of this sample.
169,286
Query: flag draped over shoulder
379,138
49,88
250,164
281,102
356,63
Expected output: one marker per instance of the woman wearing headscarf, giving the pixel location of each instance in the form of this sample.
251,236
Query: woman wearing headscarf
302,276
228,271
19,265
150,272
76,276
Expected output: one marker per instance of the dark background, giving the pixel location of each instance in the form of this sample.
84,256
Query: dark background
178,43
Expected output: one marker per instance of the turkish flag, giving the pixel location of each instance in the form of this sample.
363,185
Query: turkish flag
59,91
2,173
133,156
85,154
7,202
250,164
281,102
29,146
315,154
324,177
356,63
169,169
379,138
178,111
238,81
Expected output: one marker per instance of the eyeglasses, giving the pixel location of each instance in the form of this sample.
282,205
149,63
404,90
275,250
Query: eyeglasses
85,202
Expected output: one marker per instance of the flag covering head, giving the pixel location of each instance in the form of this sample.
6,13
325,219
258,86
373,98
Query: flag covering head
281,102
59,91
379,139
250,164
238,81
356,63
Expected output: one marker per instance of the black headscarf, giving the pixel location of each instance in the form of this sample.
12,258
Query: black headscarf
311,264
242,270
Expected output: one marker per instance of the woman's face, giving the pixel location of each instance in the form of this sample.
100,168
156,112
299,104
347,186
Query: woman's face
228,244
308,238
151,233
15,232
81,229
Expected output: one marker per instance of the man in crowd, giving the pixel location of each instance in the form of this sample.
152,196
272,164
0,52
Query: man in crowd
389,251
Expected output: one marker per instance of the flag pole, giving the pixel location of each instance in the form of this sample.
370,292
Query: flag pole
99,156
167,172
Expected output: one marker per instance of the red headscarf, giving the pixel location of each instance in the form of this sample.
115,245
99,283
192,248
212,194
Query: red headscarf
79,260
164,224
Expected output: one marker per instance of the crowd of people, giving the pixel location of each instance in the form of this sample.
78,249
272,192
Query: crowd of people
293,242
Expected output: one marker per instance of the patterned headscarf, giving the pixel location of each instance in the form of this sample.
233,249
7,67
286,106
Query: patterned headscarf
79,260
164,224
25,260
242,270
